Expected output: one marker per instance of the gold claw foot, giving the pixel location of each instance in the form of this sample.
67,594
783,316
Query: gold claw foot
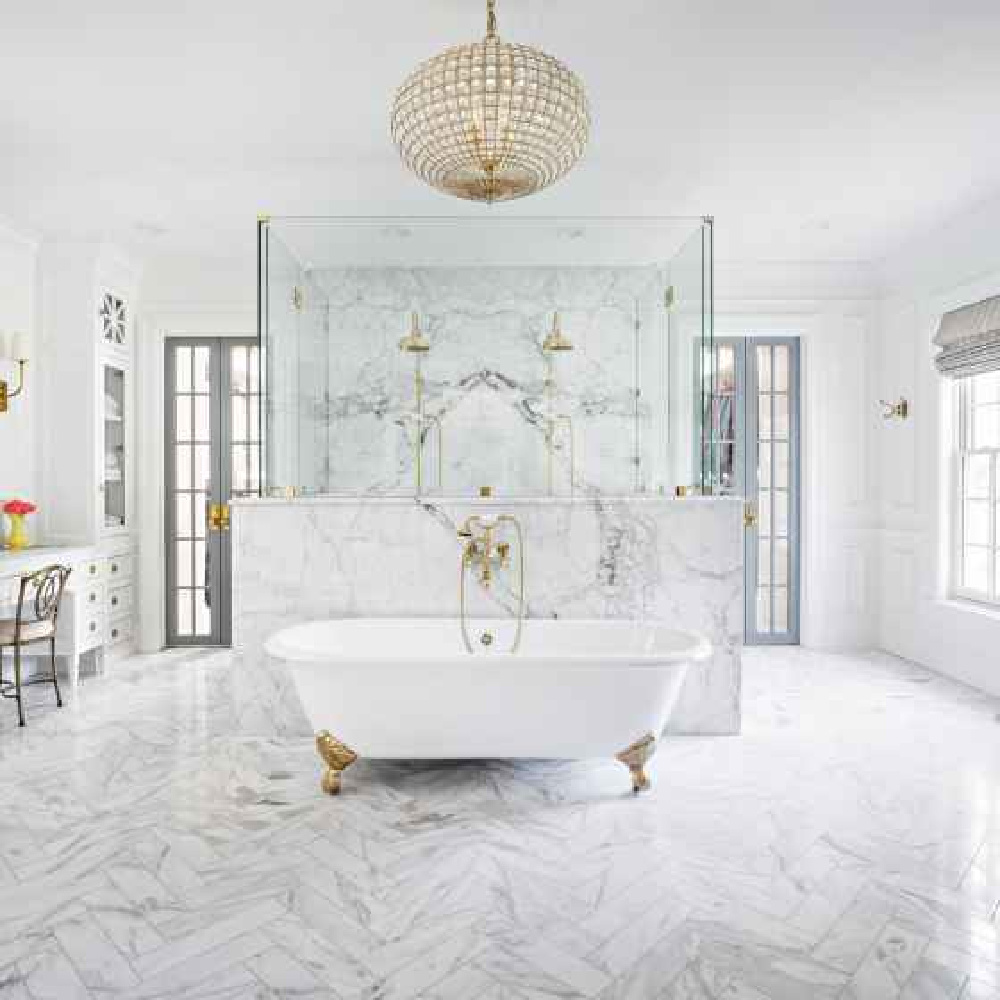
337,756
635,758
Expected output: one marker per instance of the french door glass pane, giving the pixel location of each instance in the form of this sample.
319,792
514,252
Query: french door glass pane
975,568
780,501
182,369
202,369
185,612
780,457
763,610
977,477
764,513
726,369
779,612
781,355
764,416
764,369
780,427
182,418
183,521
182,467
977,522
764,475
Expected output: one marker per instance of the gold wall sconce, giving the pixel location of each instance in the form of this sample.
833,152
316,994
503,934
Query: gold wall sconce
13,347
899,410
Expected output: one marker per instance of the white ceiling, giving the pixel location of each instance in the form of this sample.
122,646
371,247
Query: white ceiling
814,129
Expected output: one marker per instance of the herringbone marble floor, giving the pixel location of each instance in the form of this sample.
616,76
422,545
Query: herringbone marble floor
846,845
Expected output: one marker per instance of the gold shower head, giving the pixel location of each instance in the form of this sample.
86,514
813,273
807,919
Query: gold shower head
414,342
556,341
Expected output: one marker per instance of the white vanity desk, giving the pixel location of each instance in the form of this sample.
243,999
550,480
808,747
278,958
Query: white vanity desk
96,608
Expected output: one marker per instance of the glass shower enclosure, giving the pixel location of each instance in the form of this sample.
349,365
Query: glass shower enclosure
436,357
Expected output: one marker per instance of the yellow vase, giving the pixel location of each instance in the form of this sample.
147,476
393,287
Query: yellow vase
18,537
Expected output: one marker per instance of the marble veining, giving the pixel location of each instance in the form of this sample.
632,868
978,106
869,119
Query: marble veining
678,562
846,845
342,395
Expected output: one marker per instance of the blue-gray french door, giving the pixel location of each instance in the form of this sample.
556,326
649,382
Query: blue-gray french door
754,453
212,450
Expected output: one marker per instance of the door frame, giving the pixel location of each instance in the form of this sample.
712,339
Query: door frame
219,548
750,537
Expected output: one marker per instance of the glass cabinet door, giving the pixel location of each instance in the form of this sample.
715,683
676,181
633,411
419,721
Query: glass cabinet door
113,471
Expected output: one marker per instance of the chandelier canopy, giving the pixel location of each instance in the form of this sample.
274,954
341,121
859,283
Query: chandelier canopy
491,120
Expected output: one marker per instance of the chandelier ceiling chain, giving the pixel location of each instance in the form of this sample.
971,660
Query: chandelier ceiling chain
491,120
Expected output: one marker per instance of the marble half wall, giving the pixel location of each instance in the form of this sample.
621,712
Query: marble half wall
675,561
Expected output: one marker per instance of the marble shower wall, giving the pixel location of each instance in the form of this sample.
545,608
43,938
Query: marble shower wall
676,561
484,391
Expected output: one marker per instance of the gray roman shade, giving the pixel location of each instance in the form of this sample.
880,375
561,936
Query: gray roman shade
969,339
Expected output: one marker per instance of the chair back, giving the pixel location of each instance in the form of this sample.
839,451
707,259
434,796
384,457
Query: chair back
39,597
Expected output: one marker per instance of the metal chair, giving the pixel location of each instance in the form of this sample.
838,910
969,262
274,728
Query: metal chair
38,603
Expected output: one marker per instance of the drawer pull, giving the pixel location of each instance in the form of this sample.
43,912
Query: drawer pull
114,633
93,569
93,597
114,601
93,626
114,567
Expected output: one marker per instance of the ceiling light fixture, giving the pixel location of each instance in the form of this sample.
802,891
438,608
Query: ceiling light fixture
491,120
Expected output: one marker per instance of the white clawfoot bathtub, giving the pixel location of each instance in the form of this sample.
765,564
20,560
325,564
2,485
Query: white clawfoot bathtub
399,688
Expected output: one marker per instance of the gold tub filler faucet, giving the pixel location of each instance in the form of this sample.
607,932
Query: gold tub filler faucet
483,554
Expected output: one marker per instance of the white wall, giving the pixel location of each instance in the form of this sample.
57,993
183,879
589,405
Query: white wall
958,264
19,427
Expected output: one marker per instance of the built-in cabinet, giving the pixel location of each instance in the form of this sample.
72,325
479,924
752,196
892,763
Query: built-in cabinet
88,439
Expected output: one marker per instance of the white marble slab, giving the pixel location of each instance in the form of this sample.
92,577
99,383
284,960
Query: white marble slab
675,561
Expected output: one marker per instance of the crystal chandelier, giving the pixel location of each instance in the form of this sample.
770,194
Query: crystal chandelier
490,120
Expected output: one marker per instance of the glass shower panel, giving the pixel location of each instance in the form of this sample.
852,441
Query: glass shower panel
693,406
437,356
294,365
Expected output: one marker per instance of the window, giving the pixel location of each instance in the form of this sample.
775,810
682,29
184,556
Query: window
977,563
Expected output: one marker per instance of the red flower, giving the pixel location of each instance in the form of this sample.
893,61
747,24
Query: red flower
19,507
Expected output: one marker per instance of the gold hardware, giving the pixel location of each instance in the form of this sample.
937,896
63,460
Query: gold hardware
486,638
416,343
481,552
670,297
263,217
635,758
298,298
337,757
749,515
486,491
899,410
218,516
556,340
6,393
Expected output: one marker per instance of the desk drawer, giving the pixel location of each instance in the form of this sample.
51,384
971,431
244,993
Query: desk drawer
91,632
118,631
117,568
87,573
119,601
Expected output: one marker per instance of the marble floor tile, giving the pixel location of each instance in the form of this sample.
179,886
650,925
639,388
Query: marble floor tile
151,851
